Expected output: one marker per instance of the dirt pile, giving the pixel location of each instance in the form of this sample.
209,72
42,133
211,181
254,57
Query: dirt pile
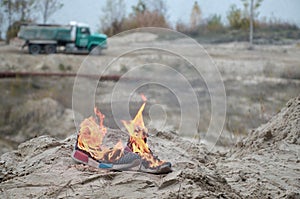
281,131
42,167
264,165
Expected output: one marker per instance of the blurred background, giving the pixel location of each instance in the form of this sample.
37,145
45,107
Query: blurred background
254,43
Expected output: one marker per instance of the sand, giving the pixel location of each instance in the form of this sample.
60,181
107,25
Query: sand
263,165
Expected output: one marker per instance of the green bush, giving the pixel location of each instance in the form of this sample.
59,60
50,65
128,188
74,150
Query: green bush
214,23
234,17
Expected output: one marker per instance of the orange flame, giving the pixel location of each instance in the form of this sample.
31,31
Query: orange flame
91,136
138,137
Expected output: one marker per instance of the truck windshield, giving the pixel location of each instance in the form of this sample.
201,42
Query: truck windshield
85,31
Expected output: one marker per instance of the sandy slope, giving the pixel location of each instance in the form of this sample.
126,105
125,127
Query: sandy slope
264,165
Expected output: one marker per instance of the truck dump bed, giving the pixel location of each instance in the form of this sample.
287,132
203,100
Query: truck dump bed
45,32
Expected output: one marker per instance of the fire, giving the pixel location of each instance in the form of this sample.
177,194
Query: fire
90,138
91,135
138,137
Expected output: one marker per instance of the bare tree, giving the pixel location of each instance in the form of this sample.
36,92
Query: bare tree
7,5
158,6
144,14
139,8
254,5
251,25
48,8
15,12
18,10
151,13
113,15
1,22
24,9
9,9
195,17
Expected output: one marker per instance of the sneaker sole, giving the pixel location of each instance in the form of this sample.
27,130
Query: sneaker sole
135,165
83,158
164,169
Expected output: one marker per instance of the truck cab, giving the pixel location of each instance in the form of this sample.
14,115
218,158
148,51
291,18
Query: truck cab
86,40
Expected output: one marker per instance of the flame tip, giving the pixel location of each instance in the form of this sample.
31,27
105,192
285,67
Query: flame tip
144,98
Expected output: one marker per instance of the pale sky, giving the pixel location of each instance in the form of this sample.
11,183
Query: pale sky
89,11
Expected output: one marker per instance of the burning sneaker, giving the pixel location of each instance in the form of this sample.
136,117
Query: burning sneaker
89,149
137,143
161,168
137,156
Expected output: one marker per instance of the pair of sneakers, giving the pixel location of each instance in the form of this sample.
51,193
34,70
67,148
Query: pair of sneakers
129,161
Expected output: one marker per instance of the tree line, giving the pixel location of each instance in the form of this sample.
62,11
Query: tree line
154,13
15,12
147,13
114,19
241,22
150,13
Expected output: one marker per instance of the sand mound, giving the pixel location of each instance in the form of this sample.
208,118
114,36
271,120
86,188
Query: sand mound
282,130
42,167
265,165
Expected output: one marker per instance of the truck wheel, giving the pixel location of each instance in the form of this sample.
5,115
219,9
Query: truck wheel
34,49
95,50
50,49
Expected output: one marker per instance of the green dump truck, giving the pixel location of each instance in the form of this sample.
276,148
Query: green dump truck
72,38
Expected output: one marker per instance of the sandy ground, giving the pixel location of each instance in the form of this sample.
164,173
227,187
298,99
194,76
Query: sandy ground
264,165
